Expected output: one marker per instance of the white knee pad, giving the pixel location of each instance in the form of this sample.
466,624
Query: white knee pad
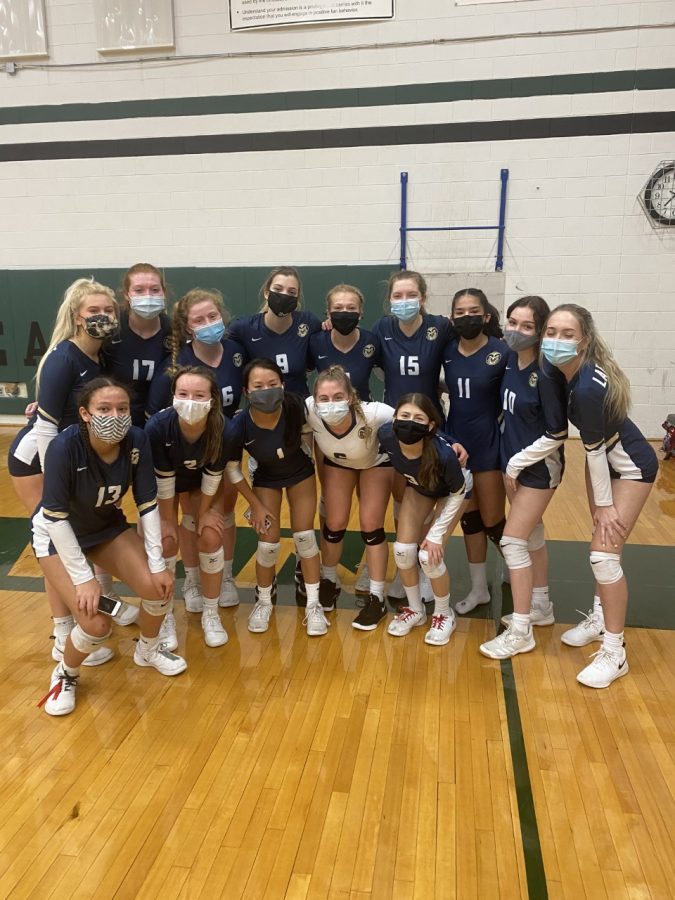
606,567
212,562
537,539
305,544
429,570
267,554
322,507
86,643
228,520
188,522
157,607
397,509
405,555
515,552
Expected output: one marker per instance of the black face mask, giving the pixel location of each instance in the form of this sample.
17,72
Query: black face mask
408,431
281,304
345,322
468,327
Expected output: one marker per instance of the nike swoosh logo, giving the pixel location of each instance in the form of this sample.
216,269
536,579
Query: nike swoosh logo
256,339
169,444
82,374
507,368
81,468
389,339
370,540
116,342
322,357
246,443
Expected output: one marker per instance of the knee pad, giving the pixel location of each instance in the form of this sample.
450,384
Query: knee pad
515,552
188,522
333,537
537,539
373,538
495,532
397,509
157,607
86,643
212,562
606,567
429,570
305,544
472,522
405,555
267,554
228,520
322,507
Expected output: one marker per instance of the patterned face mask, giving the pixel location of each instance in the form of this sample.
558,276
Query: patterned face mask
110,429
100,326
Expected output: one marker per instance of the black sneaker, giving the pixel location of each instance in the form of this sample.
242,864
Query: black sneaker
328,594
274,592
300,589
371,615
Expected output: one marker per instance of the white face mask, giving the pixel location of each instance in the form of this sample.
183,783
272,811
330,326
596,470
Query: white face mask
147,306
192,411
332,413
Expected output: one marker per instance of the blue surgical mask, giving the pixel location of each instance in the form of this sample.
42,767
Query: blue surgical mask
559,352
147,306
210,334
405,310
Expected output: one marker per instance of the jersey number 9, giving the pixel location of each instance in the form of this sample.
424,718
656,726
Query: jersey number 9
282,362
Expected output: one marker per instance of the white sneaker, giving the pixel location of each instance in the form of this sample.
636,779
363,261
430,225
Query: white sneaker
62,693
396,591
471,601
605,668
97,658
507,644
192,594
159,658
539,615
362,583
167,632
229,596
316,622
405,621
591,628
259,620
214,633
426,591
441,629
127,615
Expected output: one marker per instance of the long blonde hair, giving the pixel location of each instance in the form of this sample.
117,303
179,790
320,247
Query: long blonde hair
617,398
179,316
337,373
66,326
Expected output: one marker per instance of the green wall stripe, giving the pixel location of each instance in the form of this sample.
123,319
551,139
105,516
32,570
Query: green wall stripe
390,95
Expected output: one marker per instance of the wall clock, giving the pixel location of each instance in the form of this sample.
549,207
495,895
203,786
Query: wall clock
658,195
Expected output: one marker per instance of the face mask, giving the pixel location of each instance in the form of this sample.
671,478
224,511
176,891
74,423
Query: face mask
110,429
147,307
332,412
100,326
191,411
516,340
559,352
468,327
267,400
405,310
409,431
210,334
281,304
345,322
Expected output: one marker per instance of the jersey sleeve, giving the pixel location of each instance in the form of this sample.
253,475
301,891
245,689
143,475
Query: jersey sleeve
379,414
589,407
314,322
452,472
159,395
58,482
156,434
144,483
57,377
236,330
233,445
554,406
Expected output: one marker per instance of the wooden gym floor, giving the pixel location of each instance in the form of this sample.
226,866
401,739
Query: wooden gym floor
351,766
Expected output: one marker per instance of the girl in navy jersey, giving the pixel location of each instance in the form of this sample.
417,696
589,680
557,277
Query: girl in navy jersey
200,338
473,367
188,451
88,469
436,488
346,431
621,467
270,431
534,428
281,331
86,317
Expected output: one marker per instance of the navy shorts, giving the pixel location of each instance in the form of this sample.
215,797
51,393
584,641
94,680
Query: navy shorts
22,458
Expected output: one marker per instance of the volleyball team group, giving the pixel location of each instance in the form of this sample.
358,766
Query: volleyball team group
192,410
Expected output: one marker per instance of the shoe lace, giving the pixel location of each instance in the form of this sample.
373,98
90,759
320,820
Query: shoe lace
65,683
406,613
260,610
314,614
588,621
603,657
439,620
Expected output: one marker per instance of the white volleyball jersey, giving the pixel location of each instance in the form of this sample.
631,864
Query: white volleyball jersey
357,448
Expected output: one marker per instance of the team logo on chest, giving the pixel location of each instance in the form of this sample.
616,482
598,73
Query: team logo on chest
493,358
237,360
533,379
303,330
135,456
362,433
368,350
432,333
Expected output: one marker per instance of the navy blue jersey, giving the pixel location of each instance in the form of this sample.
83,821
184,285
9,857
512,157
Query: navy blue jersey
64,373
173,455
451,477
473,384
412,363
227,373
135,361
80,487
290,350
281,463
358,362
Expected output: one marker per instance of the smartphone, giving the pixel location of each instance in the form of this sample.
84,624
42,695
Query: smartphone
109,605
247,516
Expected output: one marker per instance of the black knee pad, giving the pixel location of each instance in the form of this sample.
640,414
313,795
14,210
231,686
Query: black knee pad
372,538
333,537
495,532
472,523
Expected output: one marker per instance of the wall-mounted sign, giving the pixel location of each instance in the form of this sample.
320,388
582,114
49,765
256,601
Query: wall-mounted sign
265,13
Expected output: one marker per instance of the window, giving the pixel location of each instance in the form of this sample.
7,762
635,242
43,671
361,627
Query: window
133,24
23,31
